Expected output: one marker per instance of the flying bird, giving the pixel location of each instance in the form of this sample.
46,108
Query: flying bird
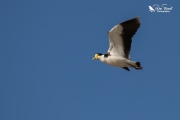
120,38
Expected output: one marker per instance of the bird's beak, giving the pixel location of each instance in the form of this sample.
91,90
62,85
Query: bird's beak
95,57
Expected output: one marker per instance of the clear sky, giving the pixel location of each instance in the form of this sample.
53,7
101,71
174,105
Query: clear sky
46,67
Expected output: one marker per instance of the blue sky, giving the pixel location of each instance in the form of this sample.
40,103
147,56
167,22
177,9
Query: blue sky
46,67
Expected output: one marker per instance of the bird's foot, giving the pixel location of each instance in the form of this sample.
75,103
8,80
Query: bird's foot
138,68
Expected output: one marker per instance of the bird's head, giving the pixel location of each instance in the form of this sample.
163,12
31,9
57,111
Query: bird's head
96,56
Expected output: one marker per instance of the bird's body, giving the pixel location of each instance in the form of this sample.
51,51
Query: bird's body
117,61
120,38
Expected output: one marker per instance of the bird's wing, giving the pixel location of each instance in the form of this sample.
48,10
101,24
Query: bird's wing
120,37
110,43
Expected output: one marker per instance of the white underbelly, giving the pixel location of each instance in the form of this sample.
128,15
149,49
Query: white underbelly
116,61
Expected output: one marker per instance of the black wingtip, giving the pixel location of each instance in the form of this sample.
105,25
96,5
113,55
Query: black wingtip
132,22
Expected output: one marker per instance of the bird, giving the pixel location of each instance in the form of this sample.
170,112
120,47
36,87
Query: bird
120,38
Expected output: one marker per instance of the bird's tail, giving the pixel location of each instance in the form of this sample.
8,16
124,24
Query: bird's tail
138,66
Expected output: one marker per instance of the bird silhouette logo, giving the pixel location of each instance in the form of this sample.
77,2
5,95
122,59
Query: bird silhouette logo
151,9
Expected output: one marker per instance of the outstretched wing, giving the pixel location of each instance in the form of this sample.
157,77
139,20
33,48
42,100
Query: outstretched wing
120,37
